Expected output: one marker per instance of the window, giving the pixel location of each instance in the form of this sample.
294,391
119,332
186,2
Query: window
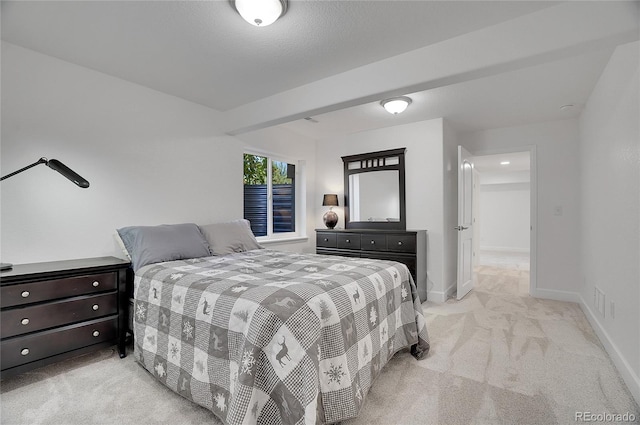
270,196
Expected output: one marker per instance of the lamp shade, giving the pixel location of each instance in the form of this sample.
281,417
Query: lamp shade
54,164
396,105
330,200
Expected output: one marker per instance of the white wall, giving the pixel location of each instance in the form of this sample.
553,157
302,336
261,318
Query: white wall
424,182
494,177
151,158
558,183
610,203
504,216
504,211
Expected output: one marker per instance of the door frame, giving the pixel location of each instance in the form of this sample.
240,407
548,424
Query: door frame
533,205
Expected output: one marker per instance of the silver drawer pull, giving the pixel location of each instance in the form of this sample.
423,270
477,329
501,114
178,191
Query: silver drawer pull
95,307
96,333
348,241
25,321
25,294
96,284
373,242
326,239
24,351
399,242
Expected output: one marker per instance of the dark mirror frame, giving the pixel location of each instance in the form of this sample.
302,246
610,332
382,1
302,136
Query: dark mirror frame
376,161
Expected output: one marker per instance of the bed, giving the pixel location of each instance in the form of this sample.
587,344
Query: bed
263,336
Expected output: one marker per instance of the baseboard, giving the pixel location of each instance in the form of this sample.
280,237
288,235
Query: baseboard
436,296
626,371
554,294
441,296
451,290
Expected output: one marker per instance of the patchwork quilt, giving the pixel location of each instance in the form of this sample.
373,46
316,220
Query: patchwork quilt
272,337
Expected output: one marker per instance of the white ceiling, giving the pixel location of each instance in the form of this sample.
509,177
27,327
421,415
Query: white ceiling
533,94
204,52
518,161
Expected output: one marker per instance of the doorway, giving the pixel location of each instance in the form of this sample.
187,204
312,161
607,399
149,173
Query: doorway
504,211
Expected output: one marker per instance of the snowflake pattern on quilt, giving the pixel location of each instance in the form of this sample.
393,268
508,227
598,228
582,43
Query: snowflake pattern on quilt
334,373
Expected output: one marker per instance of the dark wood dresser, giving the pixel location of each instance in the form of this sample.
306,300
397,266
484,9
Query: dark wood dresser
56,310
405,246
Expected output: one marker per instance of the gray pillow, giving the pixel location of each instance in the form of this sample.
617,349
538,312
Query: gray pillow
167,242
232,236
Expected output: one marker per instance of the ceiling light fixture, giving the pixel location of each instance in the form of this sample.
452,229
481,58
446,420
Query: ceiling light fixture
396,105
505,163
260,12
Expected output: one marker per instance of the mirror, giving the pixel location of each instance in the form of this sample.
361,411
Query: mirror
374,190
366,188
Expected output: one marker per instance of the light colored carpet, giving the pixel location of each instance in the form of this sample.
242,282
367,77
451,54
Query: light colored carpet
504,259
497,357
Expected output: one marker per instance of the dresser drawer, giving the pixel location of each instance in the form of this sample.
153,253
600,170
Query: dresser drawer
33,318
373,242
348,241
21,350
26,293
401,243
326,240
342,253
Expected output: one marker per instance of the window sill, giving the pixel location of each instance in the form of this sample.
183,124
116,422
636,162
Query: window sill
283,240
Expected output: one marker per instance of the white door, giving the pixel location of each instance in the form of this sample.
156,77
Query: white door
465,222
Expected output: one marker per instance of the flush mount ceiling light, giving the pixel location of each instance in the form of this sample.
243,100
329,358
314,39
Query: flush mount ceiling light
396,105
260,12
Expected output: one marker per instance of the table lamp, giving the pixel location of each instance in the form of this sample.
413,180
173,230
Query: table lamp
330,218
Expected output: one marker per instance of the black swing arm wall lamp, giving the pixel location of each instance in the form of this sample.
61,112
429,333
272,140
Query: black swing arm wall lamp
54,164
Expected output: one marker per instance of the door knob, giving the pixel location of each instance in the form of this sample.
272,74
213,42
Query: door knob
460,228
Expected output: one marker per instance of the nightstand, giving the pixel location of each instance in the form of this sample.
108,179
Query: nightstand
56,310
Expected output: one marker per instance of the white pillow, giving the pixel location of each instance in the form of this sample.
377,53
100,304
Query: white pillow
229,237
121,245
